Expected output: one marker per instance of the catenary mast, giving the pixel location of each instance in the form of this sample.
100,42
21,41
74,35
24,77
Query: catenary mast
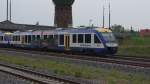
109,17
7,10
10,10
103,17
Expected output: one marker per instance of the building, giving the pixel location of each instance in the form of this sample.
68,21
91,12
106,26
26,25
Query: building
63,13
10,26
63,18
145,33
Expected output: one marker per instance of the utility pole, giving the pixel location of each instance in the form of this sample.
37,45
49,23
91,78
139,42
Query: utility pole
7,11
103,17
10,10
109,17
90,22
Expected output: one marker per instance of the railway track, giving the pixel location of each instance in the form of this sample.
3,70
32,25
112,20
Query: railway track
116,59
134,58
34,77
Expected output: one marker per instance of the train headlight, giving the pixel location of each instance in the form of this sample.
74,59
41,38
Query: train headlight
111,44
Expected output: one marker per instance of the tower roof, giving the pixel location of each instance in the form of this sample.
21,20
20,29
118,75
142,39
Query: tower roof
63,2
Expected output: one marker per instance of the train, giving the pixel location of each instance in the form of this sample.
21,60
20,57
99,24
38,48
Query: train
99,41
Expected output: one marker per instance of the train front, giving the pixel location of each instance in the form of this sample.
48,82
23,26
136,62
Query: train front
109,40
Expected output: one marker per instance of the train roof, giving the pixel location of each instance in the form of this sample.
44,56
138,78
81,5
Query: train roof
89,29
63,30
103,30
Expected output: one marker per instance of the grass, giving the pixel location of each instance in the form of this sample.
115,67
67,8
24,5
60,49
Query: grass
137,41
79,71
139,51
135,46
60,68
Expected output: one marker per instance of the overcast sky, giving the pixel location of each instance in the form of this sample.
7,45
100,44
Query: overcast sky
128,13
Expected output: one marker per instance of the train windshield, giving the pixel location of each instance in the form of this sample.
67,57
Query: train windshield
109,37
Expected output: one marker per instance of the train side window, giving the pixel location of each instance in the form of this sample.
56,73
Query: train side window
18,38
74,38
61,39
15,38
29,38
87,38
80,38
50,37
55,36
45,37
1,38
26,38
38,37
33,37
96,40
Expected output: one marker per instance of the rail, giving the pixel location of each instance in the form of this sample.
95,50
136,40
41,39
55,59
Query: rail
33,76
125,60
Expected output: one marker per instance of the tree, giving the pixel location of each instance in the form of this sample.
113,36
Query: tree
118,28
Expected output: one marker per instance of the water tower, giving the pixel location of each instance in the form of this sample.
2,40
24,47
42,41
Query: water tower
63,13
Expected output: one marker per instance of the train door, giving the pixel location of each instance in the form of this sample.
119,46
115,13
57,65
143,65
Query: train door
67,41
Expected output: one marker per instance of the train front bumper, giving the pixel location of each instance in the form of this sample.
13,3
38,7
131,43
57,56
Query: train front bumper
112,48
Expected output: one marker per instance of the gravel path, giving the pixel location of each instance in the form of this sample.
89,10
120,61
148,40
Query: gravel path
10,79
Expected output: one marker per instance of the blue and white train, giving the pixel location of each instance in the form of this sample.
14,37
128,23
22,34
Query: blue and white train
87,40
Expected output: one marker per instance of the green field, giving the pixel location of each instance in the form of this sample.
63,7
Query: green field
135,46
79,71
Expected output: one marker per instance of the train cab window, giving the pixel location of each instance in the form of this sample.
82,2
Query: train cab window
87,38
80,38
38,37
74,38
96,40
61,39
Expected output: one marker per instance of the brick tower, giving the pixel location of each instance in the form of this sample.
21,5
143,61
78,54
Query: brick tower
63,13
